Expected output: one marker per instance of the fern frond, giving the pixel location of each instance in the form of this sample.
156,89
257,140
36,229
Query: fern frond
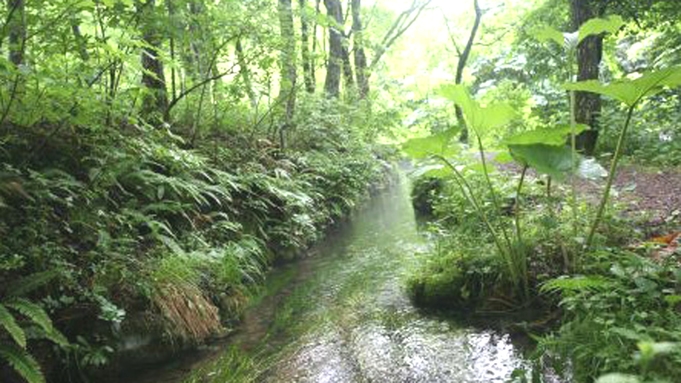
30,283
576,284
23,363
38,316
8,322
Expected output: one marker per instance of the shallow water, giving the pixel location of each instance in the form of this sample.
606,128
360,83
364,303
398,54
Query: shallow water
342,315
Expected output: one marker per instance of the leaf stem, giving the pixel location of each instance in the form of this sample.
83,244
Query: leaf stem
611,178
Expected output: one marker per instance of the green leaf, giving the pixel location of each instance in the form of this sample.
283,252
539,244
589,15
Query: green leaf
432,170
552,137
38,316
618,378
30,283
436,144
576,284
23,363
546,33
8,322
555,161
629,91
611,24
478,118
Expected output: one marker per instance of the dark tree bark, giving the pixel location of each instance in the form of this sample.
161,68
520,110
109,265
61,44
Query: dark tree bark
81,43
17,31
348,75
589,55
461,65
361,63
153,77
308,68
335,59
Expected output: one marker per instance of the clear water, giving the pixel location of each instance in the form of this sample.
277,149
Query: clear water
342,315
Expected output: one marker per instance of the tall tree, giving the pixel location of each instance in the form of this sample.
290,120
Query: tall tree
16,21
361,63
589,55
463,60
335,59
287,90
153,77
308,68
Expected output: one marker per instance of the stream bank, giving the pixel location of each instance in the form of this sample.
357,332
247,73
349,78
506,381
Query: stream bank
343,315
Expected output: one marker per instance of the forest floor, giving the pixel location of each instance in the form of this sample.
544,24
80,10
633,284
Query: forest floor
652,192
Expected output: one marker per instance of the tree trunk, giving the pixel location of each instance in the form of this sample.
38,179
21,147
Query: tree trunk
17,31
333,65
287,90
361,64
589,55
153,77
348,76
308,68
461,65
81,42
245,74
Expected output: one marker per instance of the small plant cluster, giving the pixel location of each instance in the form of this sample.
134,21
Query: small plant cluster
510,239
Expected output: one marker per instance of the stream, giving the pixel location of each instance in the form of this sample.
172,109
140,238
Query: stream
342,315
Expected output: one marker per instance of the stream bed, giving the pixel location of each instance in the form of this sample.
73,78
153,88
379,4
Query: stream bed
342,315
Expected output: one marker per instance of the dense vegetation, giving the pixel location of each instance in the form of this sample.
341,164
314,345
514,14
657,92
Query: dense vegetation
157,158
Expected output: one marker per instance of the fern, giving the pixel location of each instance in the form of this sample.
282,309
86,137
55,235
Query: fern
576,284
8,322
23,363
38,316
30,283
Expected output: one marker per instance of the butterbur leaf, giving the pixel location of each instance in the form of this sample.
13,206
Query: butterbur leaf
555,161
611,24
478,118
546,33
436,144
553,137
630,91
433,170
503,158
618,378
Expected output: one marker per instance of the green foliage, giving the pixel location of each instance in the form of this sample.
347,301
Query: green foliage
618,319
631,92
480,119
23,363
18,357
597,26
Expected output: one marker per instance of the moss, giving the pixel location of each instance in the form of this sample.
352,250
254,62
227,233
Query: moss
455,281
423,194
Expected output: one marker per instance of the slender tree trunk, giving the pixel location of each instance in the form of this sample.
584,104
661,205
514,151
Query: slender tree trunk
335,60
287,90
361,63
589,55
173,74
308,68
348,75
245,74
153,78
81,43
17,31
315,43
461,65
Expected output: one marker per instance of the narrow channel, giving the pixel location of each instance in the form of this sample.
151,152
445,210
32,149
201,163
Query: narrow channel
342,315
